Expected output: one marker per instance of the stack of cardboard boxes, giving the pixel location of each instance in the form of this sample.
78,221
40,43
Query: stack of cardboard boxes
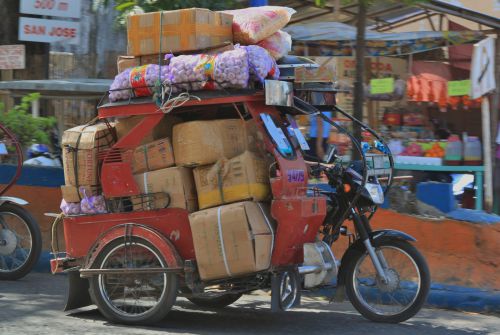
208,165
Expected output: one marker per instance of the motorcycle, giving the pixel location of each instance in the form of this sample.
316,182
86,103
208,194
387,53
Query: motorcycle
20,236
384,276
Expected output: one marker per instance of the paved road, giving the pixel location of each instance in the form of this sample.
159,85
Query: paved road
33,306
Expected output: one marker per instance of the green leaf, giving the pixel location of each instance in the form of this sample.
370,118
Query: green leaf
125,5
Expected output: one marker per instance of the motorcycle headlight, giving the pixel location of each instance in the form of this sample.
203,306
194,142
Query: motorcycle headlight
375,192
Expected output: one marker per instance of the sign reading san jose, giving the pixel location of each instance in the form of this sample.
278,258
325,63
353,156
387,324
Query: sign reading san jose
48,31
62,8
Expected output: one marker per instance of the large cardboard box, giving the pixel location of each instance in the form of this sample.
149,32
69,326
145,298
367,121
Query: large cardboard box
205,142
161,130
81,146
153,156
76,194
179,30
243,177
177,182
232,240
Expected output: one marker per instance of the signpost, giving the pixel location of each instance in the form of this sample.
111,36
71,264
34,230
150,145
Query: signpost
48,31
12,57
62,8
482,78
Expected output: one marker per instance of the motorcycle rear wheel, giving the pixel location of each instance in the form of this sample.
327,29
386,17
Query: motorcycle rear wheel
406,290
22,229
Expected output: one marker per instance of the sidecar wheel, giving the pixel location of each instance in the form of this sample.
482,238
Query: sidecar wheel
133,298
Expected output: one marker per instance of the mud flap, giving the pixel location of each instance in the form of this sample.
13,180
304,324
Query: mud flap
78,292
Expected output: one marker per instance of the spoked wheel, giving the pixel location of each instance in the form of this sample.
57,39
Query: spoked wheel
133,298
289,286
404,292
20,242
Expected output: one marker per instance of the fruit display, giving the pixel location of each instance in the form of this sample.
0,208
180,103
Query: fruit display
436,150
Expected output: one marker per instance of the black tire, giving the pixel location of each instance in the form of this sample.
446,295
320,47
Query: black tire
36,241
421,296
215,302
156,313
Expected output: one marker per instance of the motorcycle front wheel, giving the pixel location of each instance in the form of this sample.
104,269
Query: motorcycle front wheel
20,242
404,292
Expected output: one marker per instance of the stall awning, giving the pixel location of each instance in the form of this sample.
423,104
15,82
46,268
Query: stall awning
338,39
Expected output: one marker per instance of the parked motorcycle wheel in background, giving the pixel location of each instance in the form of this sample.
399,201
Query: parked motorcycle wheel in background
20,236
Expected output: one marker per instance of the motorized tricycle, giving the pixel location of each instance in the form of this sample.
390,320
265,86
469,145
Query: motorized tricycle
20,237
133,264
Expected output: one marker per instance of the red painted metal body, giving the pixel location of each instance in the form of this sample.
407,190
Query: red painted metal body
298,215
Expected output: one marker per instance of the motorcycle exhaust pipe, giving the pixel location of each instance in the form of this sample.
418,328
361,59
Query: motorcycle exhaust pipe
307,269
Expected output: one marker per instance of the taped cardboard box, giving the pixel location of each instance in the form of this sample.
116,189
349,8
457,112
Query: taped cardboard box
243,177
81,146
153,156
205,142
179,30
232,240
76,194
176,182
125,62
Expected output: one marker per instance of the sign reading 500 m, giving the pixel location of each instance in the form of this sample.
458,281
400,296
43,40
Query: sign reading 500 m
63,8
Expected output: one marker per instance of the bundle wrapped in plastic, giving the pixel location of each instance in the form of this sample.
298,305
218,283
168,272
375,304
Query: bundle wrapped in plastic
278,44
229,69
251,25
262,65
93,205
70,208
136,82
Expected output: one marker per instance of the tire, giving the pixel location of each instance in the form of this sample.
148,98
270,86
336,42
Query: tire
106,305
422,286
215,302
36,242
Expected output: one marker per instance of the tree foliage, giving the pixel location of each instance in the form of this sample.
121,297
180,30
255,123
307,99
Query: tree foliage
27,129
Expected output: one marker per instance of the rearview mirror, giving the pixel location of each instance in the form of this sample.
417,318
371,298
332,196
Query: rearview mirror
331,154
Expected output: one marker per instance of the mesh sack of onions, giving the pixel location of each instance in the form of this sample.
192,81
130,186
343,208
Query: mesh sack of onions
262,65
228,69
136,82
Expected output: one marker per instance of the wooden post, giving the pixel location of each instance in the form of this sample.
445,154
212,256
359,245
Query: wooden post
488,165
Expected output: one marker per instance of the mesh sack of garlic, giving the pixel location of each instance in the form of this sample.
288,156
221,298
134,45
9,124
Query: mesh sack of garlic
136,82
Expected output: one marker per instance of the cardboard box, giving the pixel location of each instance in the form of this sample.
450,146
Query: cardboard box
179,30
153,156
243,177
177,182
81,146
125,62
232,240
205,142
163,129
76,194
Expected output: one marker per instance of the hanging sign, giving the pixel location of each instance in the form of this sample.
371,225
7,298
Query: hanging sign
382,86
63,8
48,31
12,57
458,88
482,73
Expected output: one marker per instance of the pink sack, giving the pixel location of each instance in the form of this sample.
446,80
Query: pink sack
251,25
278,44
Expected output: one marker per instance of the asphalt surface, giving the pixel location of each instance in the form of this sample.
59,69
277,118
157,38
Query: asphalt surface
34,305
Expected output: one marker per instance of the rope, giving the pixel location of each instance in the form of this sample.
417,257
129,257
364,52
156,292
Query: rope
55,239
172,103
